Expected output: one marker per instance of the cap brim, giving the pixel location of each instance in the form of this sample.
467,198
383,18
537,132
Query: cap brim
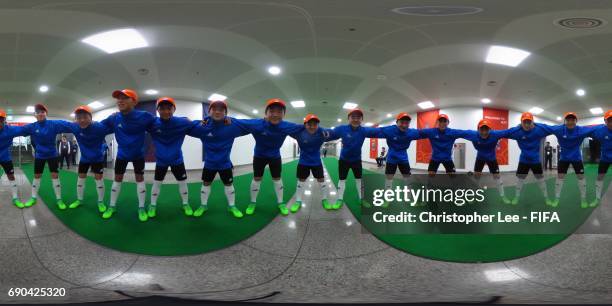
404,117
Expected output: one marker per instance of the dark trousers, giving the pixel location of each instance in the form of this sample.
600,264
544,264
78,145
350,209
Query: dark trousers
548,162
65,156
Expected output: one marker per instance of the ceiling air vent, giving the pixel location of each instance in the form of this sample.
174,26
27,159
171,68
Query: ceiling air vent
436,10
580,23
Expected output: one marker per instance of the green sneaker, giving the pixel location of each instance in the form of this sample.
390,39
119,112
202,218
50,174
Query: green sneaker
75,204
101,207
594,203
514,201
326,204
30,202
549,202
506,200
296,206
337,204
251,209
554,203
365,204
108,213
283,209
200,211
142,215
584,203
187,210
235,211
152,211
61,205
18,203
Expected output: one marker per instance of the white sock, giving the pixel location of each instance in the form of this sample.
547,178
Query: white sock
582,188
543,186
359,190
388,183
155,192
141,189
598,188
230,193
57,189
299,191
80,188
183,191
519,187
558,187
324,190
204,192
35,186
278,188
115,190
340,191
100,189
500,186
254,190
14,189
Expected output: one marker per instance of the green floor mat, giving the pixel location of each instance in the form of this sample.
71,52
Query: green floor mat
457,247
170,232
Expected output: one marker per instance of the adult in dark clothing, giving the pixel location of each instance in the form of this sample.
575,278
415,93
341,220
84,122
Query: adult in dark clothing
74,148
381,158
548,154
63,148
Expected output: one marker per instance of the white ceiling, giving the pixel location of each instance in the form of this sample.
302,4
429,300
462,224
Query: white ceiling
199,47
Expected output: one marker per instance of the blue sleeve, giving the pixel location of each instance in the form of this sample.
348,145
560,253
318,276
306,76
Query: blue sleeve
18,130
63,126
198,129
587,131
545,129
291,128
373,132
471,135
249,125
462,133
503,133
108,122
426,133
27,129
333,135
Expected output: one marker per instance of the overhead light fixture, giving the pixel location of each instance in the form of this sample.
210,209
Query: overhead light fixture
349,105
116,40
43,88
72,115
298,104
426,105
151,92
389,115
217,97
333,127
30,109
274,70
486,100
535,110
9,117
339,120
580,92
255,111
596,110
559,118
369,124
506,56
95,104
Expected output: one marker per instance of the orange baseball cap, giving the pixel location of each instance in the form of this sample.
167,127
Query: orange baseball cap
83,108
165,99
2,113
212,103
355,110
41,106
567,114
311,117
402,115
128,92
608,115
276,101
440,116
526,116
484,122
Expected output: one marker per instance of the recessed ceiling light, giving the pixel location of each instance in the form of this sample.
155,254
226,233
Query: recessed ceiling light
298,104
596,110
151,92
536,110
369,124
389,115
580,92
217,97
559,118
255,111
349,105
43,88
95,104
339,120
116,40
426,105
486,101
72,115
9,117
30,109
274,70
506,56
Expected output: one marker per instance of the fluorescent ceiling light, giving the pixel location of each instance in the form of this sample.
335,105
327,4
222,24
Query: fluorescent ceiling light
274,70
72,115
217,97
389,115
298,104
30,109
349,105
596,110
506,56
43,88
95,104
580,92
486,100
339,120
151,92
116,40
9,117
369,124
535,110
559,118
426,105
255,111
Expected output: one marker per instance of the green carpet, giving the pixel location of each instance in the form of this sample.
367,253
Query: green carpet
460,247
170,232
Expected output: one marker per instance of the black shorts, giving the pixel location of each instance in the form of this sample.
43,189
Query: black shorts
492,164
180,174
226,175
449,166
344,166
39,165
121,165
260,163
304,171
564,165
97,168
603,167
523,169
392,168
8,167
